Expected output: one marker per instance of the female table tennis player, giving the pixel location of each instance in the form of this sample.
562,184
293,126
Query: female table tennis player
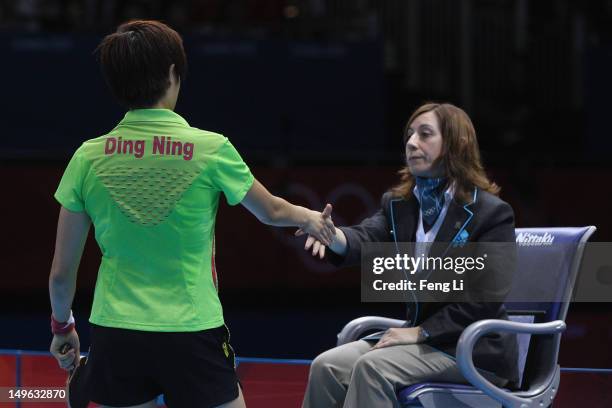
151,188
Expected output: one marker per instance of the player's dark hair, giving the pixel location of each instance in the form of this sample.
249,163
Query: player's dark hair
135,61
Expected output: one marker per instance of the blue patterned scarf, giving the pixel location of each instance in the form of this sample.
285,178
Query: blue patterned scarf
431,197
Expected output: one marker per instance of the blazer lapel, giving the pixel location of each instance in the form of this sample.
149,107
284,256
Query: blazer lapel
405,216
456,216
454,228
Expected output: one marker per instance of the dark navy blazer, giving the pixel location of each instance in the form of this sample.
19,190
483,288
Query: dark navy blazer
485,219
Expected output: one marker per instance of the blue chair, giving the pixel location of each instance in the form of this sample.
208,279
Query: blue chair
539,371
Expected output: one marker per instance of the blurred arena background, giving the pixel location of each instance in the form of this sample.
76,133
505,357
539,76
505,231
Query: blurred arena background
314,94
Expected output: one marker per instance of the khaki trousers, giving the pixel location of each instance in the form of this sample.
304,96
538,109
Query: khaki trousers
354,376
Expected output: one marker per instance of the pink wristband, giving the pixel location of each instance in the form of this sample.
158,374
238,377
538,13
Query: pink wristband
62,327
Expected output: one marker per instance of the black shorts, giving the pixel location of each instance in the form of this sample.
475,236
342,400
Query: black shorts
130,367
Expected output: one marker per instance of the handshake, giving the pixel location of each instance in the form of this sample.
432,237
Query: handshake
321,232
273,210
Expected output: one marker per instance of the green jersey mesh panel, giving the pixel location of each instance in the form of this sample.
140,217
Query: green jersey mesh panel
146,196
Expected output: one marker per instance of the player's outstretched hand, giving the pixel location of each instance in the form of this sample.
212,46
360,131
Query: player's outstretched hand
318,245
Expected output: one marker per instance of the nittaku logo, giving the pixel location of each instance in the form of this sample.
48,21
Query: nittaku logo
527,239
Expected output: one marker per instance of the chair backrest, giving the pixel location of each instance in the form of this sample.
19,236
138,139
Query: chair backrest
548,260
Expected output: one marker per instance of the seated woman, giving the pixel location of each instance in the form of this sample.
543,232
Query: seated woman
443,194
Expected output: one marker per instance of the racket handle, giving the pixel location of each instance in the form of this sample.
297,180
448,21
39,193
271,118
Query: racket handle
65,348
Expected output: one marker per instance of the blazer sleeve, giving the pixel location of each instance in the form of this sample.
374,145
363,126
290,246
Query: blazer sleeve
447,324
372,229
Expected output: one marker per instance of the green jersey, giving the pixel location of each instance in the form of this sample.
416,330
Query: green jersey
151,188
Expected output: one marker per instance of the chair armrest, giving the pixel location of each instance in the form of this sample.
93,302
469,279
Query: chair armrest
360,325
473,332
